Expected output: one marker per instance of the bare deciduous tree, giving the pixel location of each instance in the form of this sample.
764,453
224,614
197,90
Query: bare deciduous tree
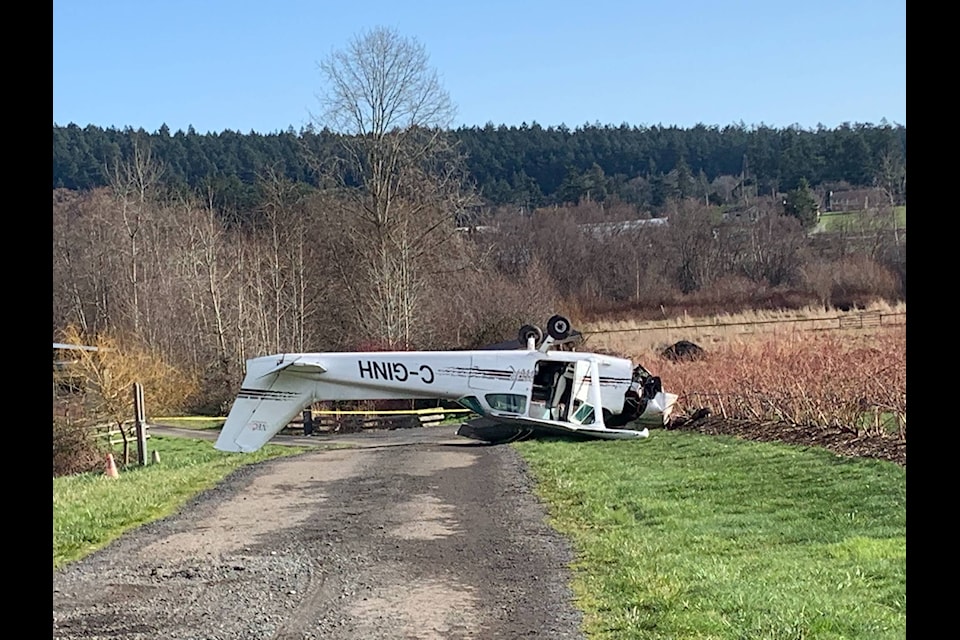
71,295
133,182
403,178
694,249
775,250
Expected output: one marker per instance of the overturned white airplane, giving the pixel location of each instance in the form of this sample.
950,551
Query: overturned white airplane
538,386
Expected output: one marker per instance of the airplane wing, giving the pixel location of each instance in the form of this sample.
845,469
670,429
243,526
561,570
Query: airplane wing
498,428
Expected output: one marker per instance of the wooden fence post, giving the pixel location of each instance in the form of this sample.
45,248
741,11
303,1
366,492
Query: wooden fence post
140,424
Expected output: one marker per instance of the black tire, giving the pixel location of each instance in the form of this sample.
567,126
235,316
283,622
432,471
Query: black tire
558,328
528,330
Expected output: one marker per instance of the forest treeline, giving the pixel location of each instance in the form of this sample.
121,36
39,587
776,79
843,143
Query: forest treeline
528,166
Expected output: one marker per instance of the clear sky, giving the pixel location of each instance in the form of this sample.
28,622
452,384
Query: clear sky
251,65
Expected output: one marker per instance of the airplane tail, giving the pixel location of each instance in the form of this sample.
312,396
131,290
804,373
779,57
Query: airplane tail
269,399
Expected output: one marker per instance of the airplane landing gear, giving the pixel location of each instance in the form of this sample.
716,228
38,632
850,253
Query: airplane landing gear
558,328
528,331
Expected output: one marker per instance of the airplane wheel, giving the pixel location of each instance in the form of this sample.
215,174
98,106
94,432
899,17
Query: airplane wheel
558,327
528,330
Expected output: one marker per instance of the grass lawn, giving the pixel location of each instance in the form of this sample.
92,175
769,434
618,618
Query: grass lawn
840,220
90,510
692,536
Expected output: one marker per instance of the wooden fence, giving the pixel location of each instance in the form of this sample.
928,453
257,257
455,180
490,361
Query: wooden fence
319,421
132,433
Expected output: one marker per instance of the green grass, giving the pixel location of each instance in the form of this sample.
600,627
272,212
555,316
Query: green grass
91,510
841,220
691,536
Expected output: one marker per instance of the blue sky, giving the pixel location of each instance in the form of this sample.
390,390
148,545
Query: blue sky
252,66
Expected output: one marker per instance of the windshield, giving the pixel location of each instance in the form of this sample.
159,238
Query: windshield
640,374
509,402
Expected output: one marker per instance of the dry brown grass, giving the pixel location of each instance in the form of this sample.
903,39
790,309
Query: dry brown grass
634,337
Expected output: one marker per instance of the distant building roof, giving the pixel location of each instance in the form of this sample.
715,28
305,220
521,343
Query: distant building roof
610,228
480,228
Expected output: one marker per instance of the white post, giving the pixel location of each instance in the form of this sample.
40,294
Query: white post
140,424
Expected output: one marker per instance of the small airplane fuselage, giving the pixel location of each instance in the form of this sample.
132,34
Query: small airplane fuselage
547,389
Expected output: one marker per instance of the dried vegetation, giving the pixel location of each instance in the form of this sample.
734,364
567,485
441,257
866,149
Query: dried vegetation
788,376
95,387
854,382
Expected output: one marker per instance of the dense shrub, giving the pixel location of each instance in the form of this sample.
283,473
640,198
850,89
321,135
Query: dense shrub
859,279
851,282
74,448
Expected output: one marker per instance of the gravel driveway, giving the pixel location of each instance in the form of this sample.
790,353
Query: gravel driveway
436,539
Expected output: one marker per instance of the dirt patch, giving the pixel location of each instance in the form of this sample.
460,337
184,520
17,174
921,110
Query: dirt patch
423,517
843,442
286,495
428,610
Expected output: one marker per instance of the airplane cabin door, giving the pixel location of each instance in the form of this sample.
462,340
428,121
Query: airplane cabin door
581,408
488,373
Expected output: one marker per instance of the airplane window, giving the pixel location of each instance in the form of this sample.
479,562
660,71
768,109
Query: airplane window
509,402
471,403
584,414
